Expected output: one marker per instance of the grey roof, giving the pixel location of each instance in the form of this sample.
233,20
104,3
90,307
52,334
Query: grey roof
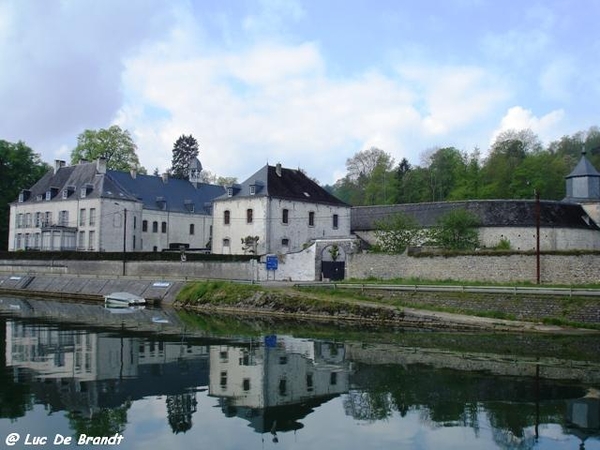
491,213
290,185
177,195
584,168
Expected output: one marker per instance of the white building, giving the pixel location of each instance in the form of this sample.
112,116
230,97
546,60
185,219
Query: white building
87,207
276,210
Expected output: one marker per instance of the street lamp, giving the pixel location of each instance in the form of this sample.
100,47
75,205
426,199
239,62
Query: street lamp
124,234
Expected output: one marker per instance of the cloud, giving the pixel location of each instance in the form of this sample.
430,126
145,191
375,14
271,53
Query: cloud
64,67
518,118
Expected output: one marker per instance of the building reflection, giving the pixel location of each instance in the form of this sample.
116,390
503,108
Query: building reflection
273,383
276,382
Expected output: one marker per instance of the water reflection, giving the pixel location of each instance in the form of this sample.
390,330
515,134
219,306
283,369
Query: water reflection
278,384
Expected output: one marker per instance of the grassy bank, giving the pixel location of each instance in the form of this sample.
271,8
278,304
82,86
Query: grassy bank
382,307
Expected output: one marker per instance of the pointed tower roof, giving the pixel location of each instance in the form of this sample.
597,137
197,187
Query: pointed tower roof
584,168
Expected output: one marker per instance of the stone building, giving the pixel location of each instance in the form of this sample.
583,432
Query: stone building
87,207
276,210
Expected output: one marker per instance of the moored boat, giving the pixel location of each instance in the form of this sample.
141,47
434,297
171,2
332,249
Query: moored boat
123,299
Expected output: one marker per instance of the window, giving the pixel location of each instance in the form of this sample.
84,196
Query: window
333,378
63,218
283,387
311,219
48,195
91,239
39,197
82,217
309,382
83,192
48,218
249,214
28,220
335,221
155,227
20,221
223,380
18,246
246,384
191,228
135,222
163,227
285,216
229,192
21,197
92,217
252,189
226,217
65,194
225,242
144,225
285,242
38,219
81,241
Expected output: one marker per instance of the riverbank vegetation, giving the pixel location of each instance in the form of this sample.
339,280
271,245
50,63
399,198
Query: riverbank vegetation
379,306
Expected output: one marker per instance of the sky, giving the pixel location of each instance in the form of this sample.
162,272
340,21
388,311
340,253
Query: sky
307,84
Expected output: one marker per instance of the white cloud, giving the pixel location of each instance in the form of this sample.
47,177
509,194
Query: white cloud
518,118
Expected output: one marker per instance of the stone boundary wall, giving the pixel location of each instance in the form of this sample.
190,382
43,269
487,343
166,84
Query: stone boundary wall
559,269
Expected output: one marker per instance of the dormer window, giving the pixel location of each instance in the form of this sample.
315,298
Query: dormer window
39,197
161,203
24,195
252,189
229,192
48,195
85,190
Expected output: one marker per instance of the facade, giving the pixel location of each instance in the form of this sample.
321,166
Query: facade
276,210
86,207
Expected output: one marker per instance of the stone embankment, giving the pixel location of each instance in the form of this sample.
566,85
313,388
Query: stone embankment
89,288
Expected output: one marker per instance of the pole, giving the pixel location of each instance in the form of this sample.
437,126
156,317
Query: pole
124,237
537,235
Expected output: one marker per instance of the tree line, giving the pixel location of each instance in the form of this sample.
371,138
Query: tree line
516,164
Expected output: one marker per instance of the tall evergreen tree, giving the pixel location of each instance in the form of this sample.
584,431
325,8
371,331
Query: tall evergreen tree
184,150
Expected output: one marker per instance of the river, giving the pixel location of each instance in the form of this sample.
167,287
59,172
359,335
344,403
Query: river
79,375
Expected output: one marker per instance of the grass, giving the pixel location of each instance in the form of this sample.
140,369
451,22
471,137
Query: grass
449,282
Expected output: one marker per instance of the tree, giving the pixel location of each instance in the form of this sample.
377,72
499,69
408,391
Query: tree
113,144
457,230
185,150
20,168
395,233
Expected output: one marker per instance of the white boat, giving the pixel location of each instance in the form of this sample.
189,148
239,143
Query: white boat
123,299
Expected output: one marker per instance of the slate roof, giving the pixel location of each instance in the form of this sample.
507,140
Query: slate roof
491,213
178,195
291,185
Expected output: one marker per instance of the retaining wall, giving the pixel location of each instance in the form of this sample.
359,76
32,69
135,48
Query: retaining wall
559,269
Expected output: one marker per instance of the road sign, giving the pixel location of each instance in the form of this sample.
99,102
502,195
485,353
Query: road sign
272,262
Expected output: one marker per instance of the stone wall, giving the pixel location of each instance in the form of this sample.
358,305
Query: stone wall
559,269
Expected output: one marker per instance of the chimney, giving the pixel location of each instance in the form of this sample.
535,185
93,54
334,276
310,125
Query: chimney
165,177
101,165
58,164
278,169
133,173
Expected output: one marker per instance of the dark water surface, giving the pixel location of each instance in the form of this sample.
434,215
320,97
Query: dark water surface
157,379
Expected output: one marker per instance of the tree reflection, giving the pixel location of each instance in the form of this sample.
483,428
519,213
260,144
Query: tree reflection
103,422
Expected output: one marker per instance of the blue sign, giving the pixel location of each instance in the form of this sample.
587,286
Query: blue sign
272,262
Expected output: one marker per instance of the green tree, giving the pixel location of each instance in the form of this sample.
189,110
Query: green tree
113,144
395,233
185,150
457,230
20,168
445,167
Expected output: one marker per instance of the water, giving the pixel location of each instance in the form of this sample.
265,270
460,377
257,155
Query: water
156,379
